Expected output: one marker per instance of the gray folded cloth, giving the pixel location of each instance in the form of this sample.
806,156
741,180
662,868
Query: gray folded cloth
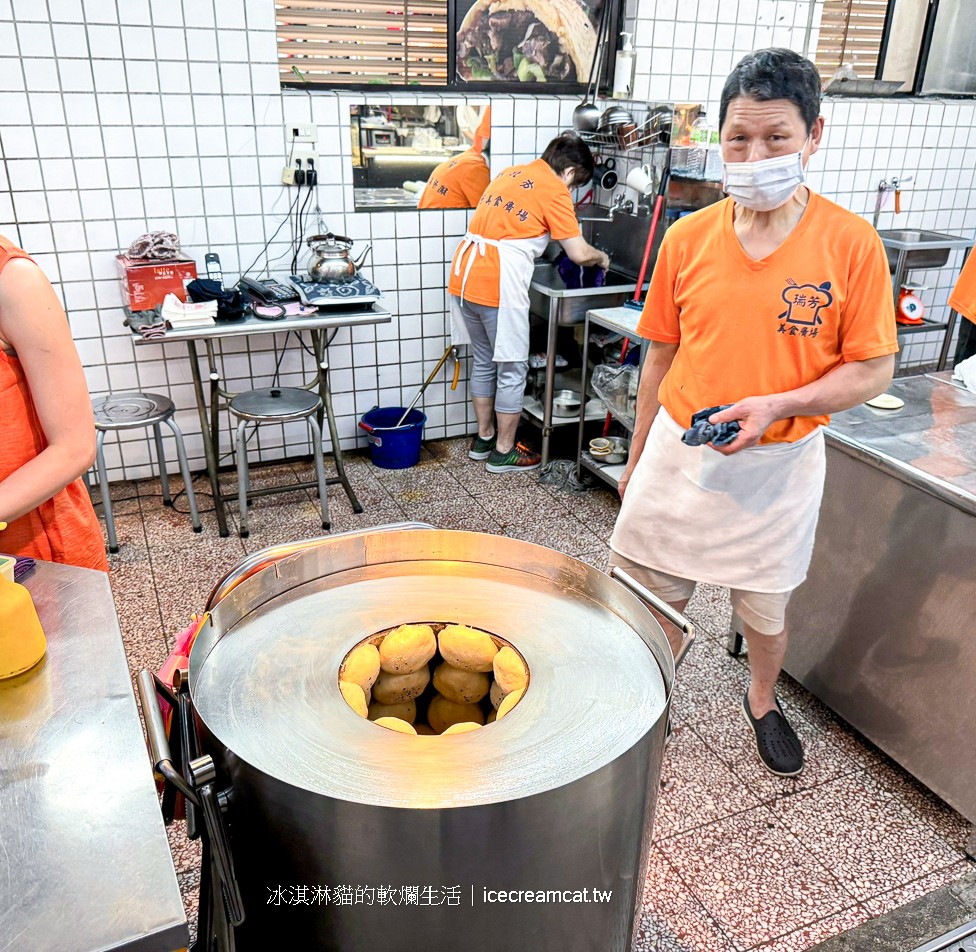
701,431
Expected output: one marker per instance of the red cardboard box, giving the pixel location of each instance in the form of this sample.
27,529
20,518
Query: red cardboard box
145,281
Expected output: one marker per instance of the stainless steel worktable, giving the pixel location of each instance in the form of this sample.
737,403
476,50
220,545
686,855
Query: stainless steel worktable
84,860
330,318
883,628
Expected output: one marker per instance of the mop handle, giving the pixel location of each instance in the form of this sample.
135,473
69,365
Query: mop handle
433,373
658,202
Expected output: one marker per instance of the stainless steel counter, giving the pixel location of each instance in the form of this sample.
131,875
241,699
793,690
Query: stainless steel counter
84,860
930,442
882,629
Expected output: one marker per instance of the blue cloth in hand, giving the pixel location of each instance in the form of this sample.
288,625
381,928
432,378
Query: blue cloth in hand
575,276
701,431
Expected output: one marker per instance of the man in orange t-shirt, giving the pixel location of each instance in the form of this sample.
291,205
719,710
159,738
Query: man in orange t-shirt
776,304
963,300
521,210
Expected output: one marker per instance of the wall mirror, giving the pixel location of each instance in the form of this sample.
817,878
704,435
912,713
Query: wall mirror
411,156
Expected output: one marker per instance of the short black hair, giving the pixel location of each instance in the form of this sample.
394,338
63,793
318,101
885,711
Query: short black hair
774,74
569,151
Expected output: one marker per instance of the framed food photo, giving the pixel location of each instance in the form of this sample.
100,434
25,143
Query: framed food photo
521,45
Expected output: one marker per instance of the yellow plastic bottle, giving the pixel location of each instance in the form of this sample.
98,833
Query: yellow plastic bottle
22,642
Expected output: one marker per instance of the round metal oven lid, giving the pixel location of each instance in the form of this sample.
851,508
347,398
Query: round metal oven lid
264,678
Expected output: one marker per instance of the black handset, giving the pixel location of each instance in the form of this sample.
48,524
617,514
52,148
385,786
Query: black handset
211,261
269,292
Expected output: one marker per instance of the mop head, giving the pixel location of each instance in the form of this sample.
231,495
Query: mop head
561,473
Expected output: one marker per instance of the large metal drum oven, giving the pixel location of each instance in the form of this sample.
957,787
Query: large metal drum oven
331,833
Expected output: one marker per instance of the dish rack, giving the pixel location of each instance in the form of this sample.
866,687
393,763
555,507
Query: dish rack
644,136
653,132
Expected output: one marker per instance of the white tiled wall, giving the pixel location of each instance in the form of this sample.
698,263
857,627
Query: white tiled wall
122,116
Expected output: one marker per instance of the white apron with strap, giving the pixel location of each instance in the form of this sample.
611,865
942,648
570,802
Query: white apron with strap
745,521
517,259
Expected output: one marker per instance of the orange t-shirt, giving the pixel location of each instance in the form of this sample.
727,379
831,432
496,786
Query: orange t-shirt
457,183
963,297
525,201
751,328
64,528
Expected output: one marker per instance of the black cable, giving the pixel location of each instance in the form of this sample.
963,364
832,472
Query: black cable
268,242
301,230
281,354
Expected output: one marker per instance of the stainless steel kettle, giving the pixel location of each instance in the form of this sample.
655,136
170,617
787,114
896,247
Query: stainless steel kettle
330,262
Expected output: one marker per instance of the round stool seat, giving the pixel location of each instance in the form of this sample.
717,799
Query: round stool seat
275,403
123,411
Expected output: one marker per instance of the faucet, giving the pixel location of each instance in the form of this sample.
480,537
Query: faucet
620,204
892,185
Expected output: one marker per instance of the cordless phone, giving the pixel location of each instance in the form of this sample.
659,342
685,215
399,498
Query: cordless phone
211,261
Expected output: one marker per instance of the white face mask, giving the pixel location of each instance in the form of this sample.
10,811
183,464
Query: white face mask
765,184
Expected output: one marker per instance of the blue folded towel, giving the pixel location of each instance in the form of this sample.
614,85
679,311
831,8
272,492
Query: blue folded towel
701,431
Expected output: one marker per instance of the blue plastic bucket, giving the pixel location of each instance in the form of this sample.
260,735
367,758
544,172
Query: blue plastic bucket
392,446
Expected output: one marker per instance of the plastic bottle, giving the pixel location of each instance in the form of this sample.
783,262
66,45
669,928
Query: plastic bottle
623,69
698,152
22,642
714,168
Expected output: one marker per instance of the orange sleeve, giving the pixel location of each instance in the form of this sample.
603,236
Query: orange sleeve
868,327
963,297
560,217
660,318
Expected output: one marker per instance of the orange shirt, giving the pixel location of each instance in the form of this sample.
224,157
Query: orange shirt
963,297
64,528
457,183
525,201
751,328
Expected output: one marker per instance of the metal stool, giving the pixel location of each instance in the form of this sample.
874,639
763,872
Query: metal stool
129,411
277,405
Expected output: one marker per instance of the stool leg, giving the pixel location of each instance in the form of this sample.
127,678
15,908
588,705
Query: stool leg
113,539
242,477
320,469
161,463
185,473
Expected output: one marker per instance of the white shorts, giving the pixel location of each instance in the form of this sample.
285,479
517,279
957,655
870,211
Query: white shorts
764,612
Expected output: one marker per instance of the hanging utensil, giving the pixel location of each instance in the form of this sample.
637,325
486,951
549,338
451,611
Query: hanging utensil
587,113
451,351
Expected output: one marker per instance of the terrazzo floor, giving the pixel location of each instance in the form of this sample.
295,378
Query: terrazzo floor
741,859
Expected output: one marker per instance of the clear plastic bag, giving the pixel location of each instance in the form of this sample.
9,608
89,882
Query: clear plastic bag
617,388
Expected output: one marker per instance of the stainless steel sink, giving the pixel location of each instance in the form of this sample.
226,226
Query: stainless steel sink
548,291
922,249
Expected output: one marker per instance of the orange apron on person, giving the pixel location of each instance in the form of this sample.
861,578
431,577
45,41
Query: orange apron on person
64,528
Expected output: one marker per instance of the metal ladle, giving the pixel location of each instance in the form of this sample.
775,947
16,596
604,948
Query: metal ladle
586,116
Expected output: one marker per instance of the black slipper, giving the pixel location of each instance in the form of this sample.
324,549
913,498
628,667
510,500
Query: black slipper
778,746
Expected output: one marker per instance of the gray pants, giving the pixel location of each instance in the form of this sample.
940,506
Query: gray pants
505,380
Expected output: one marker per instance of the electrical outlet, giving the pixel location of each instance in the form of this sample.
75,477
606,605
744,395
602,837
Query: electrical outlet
302,132
305,155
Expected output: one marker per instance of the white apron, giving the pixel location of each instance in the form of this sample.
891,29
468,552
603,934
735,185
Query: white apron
745,521
517,259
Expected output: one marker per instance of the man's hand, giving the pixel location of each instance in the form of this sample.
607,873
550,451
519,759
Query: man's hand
604,261
755,414
624,479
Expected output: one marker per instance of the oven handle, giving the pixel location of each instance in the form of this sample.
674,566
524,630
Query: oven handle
261,559
159,751
660,605
202,794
